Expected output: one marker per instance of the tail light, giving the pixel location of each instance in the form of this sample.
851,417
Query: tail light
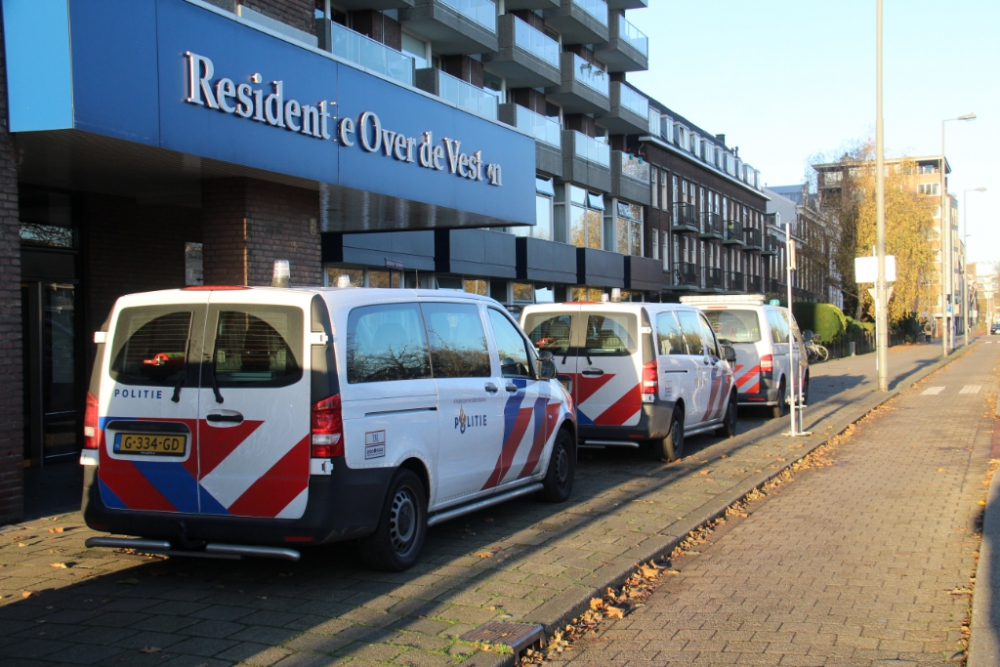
90,425
766,363
327,429
650,383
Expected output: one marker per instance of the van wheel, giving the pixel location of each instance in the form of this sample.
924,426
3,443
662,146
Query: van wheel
671,447
558,482
399,538
727,429
780,410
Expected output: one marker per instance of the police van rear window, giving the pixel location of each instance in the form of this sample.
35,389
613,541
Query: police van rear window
151,346
611,334
258,346
736,326
548,332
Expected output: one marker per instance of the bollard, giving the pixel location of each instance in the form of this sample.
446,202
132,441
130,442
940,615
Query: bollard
852,347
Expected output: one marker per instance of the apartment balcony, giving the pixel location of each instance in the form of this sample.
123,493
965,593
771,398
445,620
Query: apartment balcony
772,285
714,278
461,94
685,218
545,261
643,274
381,5
580,21
528,58
583,87
753,285
630,178
454,26
734,233
600,268
629,111
545,130
371,55
686,273
711,226
751,238
770,246
628,4
627,47
737,281
531,4
586,161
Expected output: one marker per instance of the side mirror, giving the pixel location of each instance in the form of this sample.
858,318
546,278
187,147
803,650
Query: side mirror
807,335
544,354
730,353
547,369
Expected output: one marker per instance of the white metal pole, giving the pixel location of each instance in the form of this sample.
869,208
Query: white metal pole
792,370
881,295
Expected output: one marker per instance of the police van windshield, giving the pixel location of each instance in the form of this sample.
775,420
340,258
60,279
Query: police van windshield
736,326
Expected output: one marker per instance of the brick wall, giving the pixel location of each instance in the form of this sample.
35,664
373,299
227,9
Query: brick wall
296,13
248,224
11,389
129,248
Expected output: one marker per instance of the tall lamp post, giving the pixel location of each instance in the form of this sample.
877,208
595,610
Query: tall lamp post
965,263
881,294
946,277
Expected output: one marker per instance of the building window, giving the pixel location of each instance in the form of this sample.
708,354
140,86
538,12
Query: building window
524,293
583,218
45,217
654,184
930,189
475,286
628,228
417,49
655,242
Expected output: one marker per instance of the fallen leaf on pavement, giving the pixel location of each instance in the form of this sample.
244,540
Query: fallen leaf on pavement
615,612
56,530
596,603
60,566
28,594
150,649
705,472
485,554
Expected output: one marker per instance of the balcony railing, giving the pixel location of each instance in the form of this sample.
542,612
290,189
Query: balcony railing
685,217
770,245
713,277
753,284
711,225
734,232
752,238
598,9
592,150
536,42
737,281
542,128
633,36
590,75
467,96
372,55
685,273
634,101
635,168
482,12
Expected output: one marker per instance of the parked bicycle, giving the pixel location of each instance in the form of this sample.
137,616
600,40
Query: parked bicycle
814,350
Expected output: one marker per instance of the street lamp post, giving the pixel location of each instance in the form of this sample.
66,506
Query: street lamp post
965,263
946,277
881,294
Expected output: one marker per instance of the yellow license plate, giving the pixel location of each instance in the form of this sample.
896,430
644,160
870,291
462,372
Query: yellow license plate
152,444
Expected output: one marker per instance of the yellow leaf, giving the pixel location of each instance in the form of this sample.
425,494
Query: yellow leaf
485,554
596,603
60,566
56,530
28,594
615,612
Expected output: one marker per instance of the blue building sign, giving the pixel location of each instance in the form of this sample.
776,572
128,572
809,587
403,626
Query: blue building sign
182,76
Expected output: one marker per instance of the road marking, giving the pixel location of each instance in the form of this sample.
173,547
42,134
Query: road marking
971,389
932,391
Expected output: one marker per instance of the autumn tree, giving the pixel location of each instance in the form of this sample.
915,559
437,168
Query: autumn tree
909,226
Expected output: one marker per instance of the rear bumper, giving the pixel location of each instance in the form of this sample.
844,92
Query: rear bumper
654,422
766,395
344,505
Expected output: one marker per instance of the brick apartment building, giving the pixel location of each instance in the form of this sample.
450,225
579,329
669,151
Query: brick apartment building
429,143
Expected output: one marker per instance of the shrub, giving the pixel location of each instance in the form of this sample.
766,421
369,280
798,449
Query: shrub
856,326
824,319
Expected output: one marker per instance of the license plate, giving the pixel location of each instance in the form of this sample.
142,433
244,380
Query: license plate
151,444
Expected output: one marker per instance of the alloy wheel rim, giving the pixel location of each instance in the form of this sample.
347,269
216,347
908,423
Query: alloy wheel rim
403,521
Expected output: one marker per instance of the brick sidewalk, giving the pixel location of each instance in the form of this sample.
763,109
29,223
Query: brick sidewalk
853,564
521,561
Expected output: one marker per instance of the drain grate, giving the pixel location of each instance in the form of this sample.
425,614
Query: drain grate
518,636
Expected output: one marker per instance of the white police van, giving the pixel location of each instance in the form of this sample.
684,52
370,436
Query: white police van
759,332
231,421
639,373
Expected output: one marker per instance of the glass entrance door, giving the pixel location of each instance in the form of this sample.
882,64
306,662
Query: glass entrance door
52,411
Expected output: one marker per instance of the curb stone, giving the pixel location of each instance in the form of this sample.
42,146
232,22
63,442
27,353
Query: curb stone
553,615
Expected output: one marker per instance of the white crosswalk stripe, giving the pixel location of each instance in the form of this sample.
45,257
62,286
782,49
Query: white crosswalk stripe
971,389
932,391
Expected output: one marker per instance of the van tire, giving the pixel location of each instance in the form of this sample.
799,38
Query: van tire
396,543
558,482
671,448
780,410
727,429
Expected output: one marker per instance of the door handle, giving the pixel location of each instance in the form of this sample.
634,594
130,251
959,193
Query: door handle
592,372
219,418
511,388
491,388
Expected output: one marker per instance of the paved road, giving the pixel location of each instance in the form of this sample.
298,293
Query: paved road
523,561
854,564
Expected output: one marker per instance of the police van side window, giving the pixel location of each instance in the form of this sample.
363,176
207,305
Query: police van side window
709,337
151,347
669,338
692,332
515,360
258,346
779,328
386,343
457,340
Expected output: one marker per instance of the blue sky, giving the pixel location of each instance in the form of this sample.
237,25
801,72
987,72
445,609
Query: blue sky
787,79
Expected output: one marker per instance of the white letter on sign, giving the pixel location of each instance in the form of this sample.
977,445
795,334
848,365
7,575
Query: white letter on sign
198,84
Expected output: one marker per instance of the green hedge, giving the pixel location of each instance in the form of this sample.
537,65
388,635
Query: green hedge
857,326
823,319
